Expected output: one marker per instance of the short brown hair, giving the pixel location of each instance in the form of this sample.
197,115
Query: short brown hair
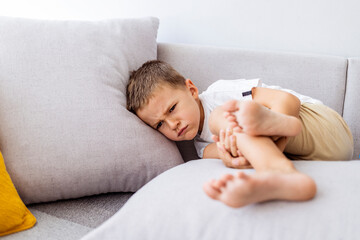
144,81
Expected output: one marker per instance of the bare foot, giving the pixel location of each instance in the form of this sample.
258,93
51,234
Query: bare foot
257,120
243,189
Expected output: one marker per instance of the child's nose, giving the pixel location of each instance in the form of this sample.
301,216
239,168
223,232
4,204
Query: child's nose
173,123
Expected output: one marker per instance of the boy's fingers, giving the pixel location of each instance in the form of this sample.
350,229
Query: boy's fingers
229,159
221,154
233,147
222,136
235,162
220,147
240,162
239,153
225,157
227,139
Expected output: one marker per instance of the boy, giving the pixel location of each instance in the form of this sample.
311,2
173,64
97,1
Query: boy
260,130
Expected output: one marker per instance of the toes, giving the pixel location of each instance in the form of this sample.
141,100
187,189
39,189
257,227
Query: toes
221,183
231,106
242,175
237,129
227,177
211,191
218,184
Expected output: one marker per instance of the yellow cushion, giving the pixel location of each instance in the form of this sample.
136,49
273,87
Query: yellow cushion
14,216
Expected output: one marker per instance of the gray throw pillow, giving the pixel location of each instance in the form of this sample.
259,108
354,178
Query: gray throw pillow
174,206
64,128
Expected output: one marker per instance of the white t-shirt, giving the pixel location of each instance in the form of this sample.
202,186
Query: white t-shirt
222,91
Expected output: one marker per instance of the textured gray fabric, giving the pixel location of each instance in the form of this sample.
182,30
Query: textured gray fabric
50,228
321,77
73,218
87,211
65,131
351,106
174,206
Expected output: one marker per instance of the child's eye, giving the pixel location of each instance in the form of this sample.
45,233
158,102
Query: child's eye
172,108
159,125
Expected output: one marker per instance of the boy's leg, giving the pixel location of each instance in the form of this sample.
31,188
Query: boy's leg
257,120
275,176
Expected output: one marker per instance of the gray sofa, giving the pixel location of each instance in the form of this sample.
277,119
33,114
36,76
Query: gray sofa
173,206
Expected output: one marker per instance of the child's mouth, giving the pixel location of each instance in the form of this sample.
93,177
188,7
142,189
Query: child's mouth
182,131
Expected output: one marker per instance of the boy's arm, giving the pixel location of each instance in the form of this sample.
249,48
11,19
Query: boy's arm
217,122
211,151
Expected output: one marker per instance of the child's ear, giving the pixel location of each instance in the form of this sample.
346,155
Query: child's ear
192,88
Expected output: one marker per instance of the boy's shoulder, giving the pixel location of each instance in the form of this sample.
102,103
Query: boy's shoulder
233,85
222,91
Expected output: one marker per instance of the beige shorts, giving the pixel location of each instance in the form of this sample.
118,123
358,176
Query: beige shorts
324,136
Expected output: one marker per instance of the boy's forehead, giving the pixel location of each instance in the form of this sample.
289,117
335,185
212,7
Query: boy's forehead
164,92
157,103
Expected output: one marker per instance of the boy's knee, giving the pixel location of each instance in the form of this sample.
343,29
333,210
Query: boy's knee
215,119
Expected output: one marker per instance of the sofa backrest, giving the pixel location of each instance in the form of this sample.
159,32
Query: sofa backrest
321,77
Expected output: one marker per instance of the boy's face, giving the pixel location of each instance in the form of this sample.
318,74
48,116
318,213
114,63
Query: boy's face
175,112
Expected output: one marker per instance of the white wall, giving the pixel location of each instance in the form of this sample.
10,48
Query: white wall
307,26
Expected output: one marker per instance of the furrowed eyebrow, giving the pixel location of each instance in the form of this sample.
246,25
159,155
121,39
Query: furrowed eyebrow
165,113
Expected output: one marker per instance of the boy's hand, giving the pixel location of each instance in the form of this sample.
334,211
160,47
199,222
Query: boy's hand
280,141
228,151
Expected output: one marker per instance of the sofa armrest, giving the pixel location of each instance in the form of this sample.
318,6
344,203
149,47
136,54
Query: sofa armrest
351,104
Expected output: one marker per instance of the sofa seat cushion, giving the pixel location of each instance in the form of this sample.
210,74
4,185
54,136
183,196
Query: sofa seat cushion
174,206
